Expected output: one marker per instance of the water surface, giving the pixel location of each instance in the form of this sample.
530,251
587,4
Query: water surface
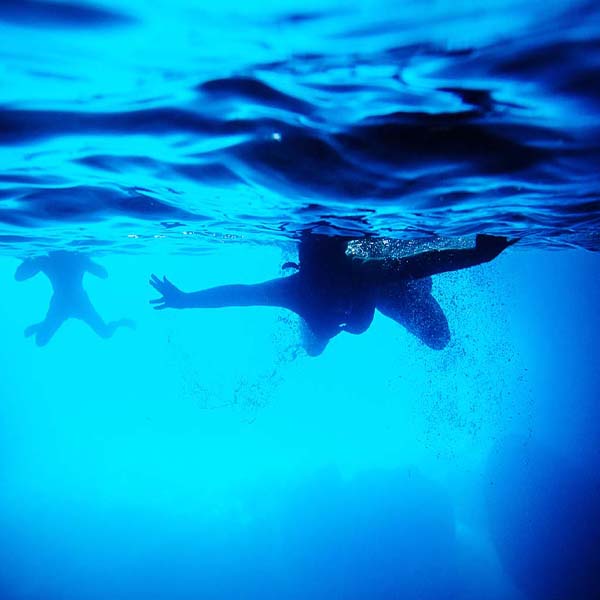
404,119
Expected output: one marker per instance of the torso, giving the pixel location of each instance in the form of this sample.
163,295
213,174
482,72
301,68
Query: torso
334,296
65,271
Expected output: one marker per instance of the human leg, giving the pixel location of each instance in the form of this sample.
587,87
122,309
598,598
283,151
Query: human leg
411,305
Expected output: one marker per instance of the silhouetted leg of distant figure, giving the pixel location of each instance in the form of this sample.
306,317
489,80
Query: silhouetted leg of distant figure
45,330
103,329
411,305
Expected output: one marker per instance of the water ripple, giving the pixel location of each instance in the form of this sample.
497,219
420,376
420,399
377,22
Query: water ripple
332,119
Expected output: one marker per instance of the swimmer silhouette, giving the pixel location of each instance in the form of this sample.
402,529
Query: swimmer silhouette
65,271
334,292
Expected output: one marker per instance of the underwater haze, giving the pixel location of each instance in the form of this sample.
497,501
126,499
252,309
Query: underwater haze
184,454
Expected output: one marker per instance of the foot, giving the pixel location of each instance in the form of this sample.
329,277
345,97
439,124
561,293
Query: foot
29,331
128,323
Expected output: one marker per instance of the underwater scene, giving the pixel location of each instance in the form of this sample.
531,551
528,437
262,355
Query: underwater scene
299,300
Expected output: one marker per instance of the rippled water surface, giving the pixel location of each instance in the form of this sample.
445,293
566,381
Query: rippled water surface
394,118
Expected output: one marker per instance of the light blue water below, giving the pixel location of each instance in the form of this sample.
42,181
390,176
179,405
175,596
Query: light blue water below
201,456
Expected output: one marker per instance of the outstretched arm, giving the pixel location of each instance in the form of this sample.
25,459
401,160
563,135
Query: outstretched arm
96,269
425,264
276,292
28,269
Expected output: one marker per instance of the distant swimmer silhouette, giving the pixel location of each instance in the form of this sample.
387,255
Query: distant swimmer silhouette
65,271
335,292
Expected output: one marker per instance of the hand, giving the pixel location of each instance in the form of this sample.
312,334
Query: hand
27,269
172,297
492,245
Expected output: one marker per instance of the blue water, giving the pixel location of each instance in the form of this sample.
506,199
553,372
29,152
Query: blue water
405,118
205,455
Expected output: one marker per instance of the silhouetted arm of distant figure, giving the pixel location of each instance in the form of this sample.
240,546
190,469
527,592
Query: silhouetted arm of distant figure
279,292
426,264
29,268
95,269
